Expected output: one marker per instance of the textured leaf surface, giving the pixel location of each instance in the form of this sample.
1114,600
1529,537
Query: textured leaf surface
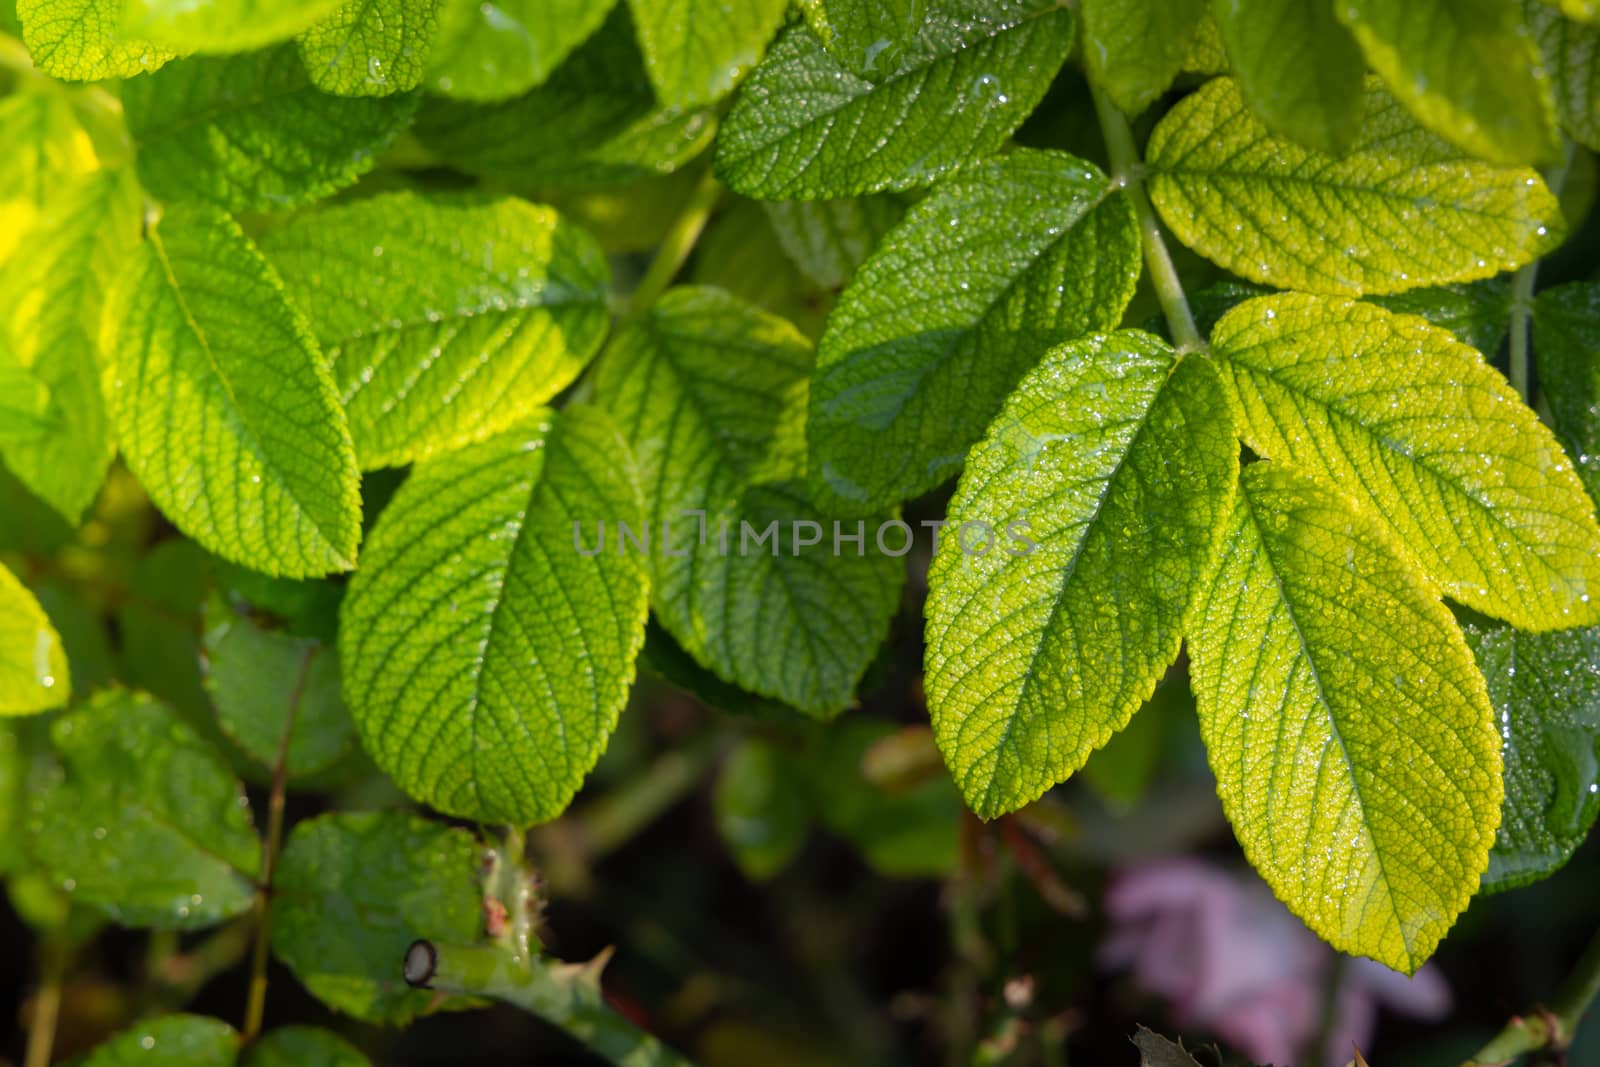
1466,68
867,37
993,268
805,128
302,1046
354,890
711,394
446,320
146,822
495,51
223,406
1546,694
1571,53
33,665
52,327
1417,426
371,47
173,1041
1404,208
1118,469
485,658
249,132
594,123
1349,730
828,239
1478,313
1298,69
220,25
696,50
25,414
1134,48
1566,338
82,40
46,148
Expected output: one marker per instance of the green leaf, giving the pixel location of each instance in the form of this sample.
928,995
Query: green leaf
761,808
250,132
805,128
1401,210
445,319
82,40
496,51
1123,768
1579,10
224,407
867,37
1348,727
1571,53
696,50
829,239
46,148
595,123
371,47
486,658
75,252
711,394
276,695
1417,427
1566,339
1478,313
1546,691
353,890
302,1046
1081,530
25,413
1135,48
173,1041
147,822
33,666
220,25
1467,69
994,267
1299,70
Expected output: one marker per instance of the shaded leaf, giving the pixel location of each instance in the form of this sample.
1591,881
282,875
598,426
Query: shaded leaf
173,1041
829,239
497,51
696,50
302,1046
1134,48
1566,338
1571,53
762,809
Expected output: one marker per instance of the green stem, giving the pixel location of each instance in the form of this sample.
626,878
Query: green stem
1553,1029
676,245
55,953
567,995
1522,289
1128,170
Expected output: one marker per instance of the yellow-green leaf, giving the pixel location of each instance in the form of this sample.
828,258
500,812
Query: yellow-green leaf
33,665
82,40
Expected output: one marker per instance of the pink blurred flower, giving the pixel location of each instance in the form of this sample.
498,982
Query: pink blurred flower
1234,962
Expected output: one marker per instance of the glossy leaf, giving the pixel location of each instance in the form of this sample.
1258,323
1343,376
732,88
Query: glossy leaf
353,890
1571,52
33,665
1420,429
1299,70
486,658
1082,528
829,239
446,320
250,132
172,1041
993,268
696,50
371,47
83,40
1466,69
1566,338
1348,727
497,51
867,37
1546,693
1134,48
805,128
224,407
711,395
1402,209
146,821
302,1046
220,25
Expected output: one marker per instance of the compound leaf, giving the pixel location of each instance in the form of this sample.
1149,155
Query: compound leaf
496,51
995,266
1402,209
486,658
1097,498
173,1041
445,319
1348,727
867,37
371,47
249,132
220,25
1571,53
805,128
33,665
1135,48
1416,425
695,50
1566,338
82,40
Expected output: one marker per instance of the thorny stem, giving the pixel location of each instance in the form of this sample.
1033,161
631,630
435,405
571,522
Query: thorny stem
256,1004
567,995
676,246
54,956
1522,295
1128,170
1553,1029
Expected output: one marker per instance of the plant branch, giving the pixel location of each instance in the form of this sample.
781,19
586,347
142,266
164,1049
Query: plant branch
1551,1029
1128,171
565,994
676,245
1522,295
55,955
